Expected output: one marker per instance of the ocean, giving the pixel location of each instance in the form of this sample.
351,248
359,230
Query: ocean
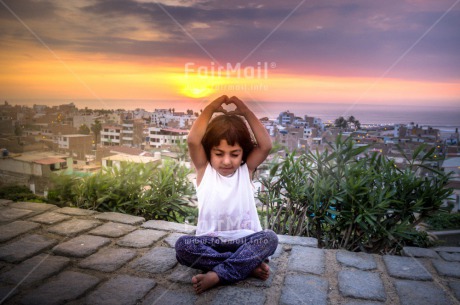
446,118
438,117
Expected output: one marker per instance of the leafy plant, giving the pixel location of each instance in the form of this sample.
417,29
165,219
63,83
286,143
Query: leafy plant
444,221
151,191
351,200
19,193
61,193
168,191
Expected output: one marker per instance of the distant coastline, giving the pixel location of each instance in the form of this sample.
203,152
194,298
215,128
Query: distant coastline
443,117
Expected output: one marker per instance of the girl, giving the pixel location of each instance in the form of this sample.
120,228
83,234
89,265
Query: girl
229,243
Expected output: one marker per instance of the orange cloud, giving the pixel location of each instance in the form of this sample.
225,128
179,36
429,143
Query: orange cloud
360,90
42,74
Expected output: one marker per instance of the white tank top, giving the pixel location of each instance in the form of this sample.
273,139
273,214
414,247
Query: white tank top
226,205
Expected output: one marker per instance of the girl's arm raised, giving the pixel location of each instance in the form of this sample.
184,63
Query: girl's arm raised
196,150
264,143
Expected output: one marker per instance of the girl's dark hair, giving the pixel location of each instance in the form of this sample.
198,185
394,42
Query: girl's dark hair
231,128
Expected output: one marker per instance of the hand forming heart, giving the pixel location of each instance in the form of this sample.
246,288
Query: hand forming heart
229,107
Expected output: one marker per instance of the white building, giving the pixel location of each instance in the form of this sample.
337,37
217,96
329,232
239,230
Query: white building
271,127
164,117
117,160
309,132
132,133
111,135
318,123
159,137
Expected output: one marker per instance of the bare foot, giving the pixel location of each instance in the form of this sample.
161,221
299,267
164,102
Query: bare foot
203,282
261,272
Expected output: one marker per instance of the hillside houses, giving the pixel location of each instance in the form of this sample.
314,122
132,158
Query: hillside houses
87,137
295,133
396,142
37,130
170,118
27,126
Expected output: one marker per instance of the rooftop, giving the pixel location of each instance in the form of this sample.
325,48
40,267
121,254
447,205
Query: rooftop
76,135
52,255
128,150
34,156
131,158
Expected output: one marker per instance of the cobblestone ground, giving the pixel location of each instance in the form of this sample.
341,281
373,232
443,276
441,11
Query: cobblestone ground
51,255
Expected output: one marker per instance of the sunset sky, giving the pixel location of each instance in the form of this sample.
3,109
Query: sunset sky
387,52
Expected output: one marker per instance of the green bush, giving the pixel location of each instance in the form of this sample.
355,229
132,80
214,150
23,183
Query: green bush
61,192
190,217
444,221
350,200
150,191
19,193
168,192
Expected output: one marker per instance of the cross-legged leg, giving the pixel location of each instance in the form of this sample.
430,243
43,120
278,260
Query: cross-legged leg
248,258
226,262
202,252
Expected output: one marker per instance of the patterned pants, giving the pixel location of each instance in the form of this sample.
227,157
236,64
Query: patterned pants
233,261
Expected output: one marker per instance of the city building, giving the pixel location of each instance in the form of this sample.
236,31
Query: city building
309,132
286,118
107,151
111,134
166,137
289,137
314,122
169,118
88,120
142,114
132,133
118,160
452,165
33,169
296,133
78,146
415,133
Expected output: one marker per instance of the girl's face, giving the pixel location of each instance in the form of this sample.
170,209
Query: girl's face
226,159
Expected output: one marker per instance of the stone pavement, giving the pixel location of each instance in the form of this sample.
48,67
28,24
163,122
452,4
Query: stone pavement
51,255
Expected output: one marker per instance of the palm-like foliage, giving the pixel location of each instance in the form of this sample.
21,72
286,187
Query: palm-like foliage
96,129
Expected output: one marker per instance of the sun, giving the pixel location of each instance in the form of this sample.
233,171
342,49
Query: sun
197,90
197,86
